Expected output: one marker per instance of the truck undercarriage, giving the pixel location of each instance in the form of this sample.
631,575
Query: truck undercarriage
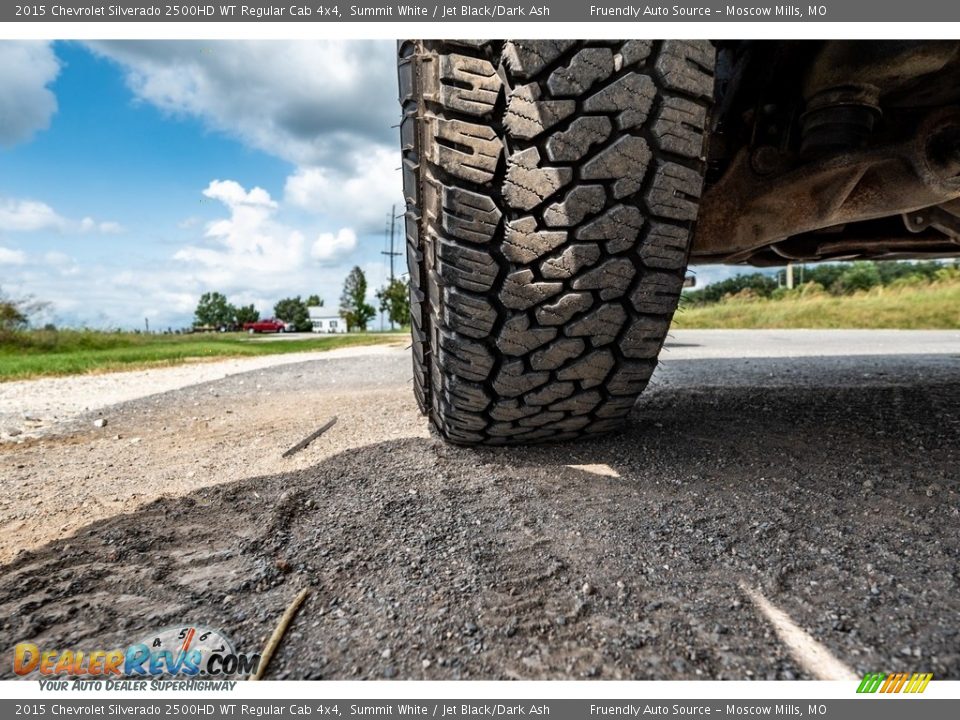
832,150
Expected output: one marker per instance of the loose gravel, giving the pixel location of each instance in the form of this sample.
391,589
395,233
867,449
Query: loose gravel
32,408
827,485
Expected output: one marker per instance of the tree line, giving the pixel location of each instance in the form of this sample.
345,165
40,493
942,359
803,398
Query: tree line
832,278
215,311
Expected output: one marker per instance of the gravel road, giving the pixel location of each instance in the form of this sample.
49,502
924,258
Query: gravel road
783,504
35,407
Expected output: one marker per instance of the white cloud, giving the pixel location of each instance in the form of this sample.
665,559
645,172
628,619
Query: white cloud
247,244
28,215
12,257
26,103
232,194
253,253
33,215
110,228
326,107
306,102
330,247
361,196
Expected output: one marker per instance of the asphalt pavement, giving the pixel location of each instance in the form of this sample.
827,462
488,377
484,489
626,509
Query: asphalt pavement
781,504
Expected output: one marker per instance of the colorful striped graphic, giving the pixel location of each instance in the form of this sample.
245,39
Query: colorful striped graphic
895,683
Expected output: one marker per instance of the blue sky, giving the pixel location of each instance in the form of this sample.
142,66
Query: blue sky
136,175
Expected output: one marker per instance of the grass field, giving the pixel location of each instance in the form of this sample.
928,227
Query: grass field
39,353
934,306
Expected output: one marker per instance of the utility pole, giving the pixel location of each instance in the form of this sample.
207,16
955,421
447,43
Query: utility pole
391,254
789,276
146,324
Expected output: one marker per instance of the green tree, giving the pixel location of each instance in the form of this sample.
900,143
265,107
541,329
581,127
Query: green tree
11,316
16,314
395,301
354,308
757,283
246,313
214,310
314,301
293,310
858,276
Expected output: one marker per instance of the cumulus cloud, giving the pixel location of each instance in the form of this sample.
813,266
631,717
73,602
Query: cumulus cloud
9,256
26,103
250,241
252,254
251,249
28,215
32,216
326,107
361,197
306,102
330,247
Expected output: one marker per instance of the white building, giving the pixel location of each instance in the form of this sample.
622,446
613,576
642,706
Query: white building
326,323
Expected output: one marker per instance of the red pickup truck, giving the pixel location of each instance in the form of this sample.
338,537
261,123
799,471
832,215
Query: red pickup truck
266,326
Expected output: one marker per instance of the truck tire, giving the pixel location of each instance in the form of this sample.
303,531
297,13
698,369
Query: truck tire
551,190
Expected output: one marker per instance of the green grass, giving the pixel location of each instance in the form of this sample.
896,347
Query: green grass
923,306
39,353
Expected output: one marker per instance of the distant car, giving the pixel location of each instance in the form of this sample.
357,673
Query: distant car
266,326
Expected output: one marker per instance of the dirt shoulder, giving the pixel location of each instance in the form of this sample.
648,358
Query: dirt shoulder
33,408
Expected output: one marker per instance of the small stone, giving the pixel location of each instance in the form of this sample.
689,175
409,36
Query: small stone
389,672
13,432
587,589
100,422
426,663
386,654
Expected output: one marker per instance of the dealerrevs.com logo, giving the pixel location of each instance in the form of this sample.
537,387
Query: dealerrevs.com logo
908,683
188,651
